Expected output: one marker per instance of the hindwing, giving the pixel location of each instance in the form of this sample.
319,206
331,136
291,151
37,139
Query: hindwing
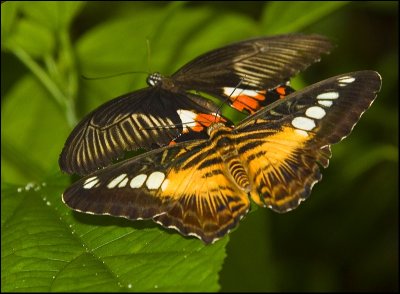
285,144
184,187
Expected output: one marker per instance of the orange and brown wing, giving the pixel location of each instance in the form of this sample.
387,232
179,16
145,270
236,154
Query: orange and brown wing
285,144
282,166
184,187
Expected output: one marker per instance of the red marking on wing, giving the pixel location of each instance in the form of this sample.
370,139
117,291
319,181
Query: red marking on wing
204,120
247,102
281,91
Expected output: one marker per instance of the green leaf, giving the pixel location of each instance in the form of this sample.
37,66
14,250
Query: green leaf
293,16
55,15
32,37
48,247
33,132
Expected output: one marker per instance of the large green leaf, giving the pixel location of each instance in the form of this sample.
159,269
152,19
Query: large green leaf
47,247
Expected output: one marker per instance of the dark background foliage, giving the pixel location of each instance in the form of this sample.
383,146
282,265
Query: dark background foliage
345,237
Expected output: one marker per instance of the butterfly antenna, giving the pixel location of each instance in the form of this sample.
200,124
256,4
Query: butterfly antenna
114,75
148,53
225,102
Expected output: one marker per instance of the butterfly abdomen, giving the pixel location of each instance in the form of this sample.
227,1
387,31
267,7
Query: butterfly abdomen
238,173
224,143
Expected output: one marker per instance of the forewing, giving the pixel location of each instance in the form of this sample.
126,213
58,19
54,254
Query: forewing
184,187
147,119
285,144
257,64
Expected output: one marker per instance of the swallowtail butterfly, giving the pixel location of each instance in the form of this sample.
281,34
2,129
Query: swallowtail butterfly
203,188
154,116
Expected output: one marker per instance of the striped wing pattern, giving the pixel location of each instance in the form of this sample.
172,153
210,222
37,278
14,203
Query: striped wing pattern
203,188
184,187
138,120
262,63
155,116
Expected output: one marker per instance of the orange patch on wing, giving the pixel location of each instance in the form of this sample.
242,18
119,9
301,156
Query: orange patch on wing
280,149
246,102
197,128
281,91
240,106
260,96
204,120
207,119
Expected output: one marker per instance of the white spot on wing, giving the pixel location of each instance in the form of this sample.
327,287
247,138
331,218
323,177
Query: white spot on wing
301,133
90,179
346,79
123,183
90,182
164,185
234,92
188,118
326,103
154,180
138,181
303,123
116,181
328,95
315,112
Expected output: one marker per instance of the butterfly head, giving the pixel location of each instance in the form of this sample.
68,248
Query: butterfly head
154,79
212,129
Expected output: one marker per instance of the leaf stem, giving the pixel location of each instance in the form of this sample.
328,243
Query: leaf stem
41,75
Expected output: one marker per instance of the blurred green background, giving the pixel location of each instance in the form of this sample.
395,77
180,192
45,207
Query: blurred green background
344,238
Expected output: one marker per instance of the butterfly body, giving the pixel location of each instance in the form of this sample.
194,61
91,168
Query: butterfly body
223,141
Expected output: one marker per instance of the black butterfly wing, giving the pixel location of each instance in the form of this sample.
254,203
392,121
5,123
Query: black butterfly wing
284,144
155,116
257,64
146,119
184,187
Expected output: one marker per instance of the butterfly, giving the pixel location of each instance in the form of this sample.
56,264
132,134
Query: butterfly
242,74
203,188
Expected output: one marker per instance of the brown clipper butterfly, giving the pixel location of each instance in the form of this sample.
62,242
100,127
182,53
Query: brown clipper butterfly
203,188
